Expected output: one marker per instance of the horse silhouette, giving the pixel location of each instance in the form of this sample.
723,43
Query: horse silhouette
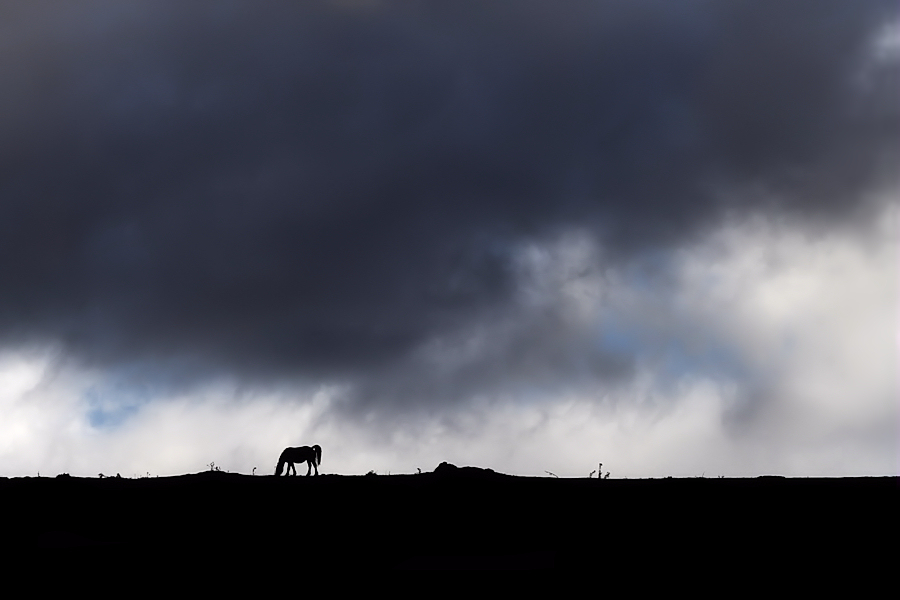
312,455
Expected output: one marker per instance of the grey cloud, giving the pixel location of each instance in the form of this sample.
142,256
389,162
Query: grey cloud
320,190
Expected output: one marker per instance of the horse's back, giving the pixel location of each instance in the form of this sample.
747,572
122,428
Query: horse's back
298,451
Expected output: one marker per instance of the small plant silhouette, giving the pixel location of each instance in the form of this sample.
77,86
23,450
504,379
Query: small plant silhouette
600,474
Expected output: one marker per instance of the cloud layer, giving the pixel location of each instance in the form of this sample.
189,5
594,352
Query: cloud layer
426,206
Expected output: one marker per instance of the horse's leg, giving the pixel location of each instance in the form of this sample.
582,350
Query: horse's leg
291,467
308,467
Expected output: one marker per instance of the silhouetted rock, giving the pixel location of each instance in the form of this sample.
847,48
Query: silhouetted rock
446,469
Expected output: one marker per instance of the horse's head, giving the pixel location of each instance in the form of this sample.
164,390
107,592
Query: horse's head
279,468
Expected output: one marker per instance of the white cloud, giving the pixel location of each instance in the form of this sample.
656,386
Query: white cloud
814,319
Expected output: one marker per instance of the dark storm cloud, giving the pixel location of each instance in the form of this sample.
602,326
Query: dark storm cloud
322,189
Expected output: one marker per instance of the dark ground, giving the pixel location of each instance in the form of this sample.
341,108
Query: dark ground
453,518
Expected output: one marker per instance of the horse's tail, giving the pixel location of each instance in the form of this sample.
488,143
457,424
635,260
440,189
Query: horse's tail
318,450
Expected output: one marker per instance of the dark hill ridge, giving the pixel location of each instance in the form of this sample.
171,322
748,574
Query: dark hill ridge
453,517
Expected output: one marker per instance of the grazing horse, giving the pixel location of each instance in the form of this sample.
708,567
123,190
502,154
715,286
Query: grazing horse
310,455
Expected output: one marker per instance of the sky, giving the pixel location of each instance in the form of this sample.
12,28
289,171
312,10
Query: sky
522,235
